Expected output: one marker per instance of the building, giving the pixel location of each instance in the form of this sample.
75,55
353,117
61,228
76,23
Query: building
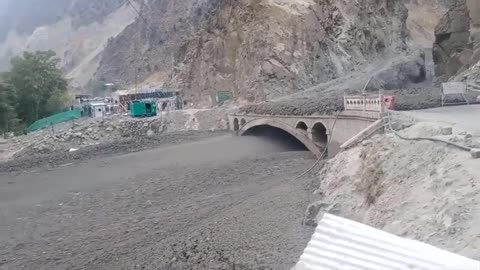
98,109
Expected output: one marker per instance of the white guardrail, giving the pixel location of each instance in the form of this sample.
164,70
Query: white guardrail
363,103
343,244
458,89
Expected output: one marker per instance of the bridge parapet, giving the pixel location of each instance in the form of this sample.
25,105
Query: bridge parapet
372,103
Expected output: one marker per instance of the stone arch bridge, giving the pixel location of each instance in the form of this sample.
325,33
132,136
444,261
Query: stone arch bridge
316,132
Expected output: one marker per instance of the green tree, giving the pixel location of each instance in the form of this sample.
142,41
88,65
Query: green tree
8,115
39,85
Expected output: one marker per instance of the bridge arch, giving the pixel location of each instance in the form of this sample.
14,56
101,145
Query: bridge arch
320,134
236,126
297,134
301,126
243,122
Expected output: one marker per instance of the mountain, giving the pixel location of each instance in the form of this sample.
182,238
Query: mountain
77,30
256,49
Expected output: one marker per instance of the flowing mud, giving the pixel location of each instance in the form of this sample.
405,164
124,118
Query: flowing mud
217,203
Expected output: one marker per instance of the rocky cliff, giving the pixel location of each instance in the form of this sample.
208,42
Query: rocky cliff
472,69
256,49
456,49
77,30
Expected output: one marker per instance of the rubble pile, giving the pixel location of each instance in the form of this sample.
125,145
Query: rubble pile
78,134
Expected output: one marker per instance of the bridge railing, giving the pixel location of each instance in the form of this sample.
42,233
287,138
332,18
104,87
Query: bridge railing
364,103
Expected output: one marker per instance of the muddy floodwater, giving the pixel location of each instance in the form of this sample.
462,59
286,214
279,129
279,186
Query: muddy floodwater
211,203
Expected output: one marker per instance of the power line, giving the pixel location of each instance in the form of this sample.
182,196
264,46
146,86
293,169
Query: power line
129,2
320,158
139,14
153,30
136,53
136,10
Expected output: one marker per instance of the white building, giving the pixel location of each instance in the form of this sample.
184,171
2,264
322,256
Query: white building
98,109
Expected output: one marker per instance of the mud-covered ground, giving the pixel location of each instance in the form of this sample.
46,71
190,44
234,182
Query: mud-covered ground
31,159
218,203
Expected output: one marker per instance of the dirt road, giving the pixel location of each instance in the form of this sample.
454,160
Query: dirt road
210,204
465,117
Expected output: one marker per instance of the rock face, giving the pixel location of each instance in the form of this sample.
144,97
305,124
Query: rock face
255,49
473,71
452,51
456,49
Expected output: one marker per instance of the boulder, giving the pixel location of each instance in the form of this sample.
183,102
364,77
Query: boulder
447,131
310,218
475,153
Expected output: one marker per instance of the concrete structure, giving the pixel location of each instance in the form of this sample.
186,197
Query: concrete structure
318,131
98,109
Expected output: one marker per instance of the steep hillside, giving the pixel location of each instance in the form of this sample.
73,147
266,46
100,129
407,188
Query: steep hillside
472,70
256,49
456,49
148,47
25,16
76,30
423,17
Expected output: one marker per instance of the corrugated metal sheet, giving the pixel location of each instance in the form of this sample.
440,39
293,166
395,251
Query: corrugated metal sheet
343,244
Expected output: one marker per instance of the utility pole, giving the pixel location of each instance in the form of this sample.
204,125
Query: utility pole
136,66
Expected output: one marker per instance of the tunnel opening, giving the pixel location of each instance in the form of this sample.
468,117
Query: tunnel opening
278,136
319,135
302,126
